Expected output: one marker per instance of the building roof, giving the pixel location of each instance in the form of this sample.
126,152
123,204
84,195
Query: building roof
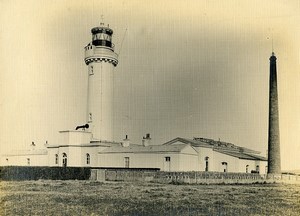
221,147
134,148
91,144
27,152
194,143
240,155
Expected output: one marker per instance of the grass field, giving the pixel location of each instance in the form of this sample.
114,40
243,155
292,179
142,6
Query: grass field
45,197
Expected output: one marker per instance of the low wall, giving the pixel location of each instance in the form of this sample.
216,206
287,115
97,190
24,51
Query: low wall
143,175
189,177
122,175
34,173
208,178
283,178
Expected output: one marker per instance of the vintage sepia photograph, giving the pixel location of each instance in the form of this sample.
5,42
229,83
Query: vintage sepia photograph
134,107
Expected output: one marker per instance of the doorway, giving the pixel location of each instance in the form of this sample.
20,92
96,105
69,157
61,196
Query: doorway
167,164
64,160
225,167
206,164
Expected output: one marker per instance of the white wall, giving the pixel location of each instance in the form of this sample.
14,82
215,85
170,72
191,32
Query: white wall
22,160
100,100
188,162
244,163
76,156
233,164
203,153
178,161
262,166
51,156
236,164
71,137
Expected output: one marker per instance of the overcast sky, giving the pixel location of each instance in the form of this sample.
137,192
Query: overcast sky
186,69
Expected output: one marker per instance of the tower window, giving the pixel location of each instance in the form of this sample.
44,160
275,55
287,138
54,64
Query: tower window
88,158
90,117
247,168
91,70
168,159
28,161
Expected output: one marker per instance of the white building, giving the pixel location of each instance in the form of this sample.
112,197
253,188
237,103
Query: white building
179,154
92,145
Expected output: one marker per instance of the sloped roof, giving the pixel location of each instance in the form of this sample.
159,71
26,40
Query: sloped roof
194,143
27,152
240,155
91,144
226,145
221,147
133,148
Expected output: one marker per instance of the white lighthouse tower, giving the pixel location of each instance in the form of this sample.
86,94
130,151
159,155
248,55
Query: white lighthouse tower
101,60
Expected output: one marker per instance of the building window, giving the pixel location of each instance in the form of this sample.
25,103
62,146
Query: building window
168,159
88,158
247,168
126,162
224,166
56,158
206,163
257,169
28,161
65,159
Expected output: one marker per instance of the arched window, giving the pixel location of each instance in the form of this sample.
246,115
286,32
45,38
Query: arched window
56,158
247,168
206,164
88,158
257,169
65,159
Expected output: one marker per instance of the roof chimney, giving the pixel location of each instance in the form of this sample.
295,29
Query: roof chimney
126,142
146,140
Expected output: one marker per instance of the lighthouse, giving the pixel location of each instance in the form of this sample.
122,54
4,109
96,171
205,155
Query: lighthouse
274,163
101,60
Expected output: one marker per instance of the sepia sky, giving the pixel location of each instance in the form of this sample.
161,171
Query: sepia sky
186,69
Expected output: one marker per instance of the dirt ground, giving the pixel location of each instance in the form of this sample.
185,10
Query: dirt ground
45,197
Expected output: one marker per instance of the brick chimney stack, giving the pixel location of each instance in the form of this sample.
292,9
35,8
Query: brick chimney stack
274,162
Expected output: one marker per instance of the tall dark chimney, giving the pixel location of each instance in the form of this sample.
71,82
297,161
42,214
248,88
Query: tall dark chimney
274,163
